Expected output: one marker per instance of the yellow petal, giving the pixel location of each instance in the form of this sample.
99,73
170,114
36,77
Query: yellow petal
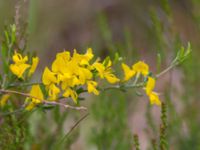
71,93
111,78
48,77
154,98
19,69
53,92
64,55
34,65
83,74
36,92
100,68
89,54
141,67
60,64
150,85
91,86
17,58
128,73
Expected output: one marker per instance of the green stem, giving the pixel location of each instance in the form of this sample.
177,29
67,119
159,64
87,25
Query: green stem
121,87
24,84
167,69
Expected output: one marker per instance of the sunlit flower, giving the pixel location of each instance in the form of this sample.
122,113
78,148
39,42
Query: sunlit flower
91,86
35,61
35,92
154,98
150,85
19,69
53,91
60,64
105,71
141,67
128,72
48,77
18,59
71,93
83,75
83,59
20,65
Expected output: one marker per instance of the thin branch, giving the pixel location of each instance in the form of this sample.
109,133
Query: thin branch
165,71
44,101
73,127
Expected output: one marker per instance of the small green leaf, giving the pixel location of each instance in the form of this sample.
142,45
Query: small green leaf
106,61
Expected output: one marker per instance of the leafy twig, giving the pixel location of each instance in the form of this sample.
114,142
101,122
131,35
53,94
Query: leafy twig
180,57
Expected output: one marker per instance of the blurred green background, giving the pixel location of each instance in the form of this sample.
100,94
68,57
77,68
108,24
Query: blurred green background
137,30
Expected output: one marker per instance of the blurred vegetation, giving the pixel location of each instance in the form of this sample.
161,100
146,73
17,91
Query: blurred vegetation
149,30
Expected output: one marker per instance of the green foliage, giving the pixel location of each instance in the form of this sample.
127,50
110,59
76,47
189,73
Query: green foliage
110,131
182,55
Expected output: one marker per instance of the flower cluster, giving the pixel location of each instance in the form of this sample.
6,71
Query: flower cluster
71,72
68,73
20,65
141,68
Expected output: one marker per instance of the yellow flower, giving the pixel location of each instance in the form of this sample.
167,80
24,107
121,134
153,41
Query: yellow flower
71,93
128,73
91,86
64,55
18,59
111,78
19,66
83,59
69,81
141,67
48,77
100,68
36,92
150,85
154,98
60,64
4,99
53,91
30,106
89,54
106,72
83,75
34,65
19,69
